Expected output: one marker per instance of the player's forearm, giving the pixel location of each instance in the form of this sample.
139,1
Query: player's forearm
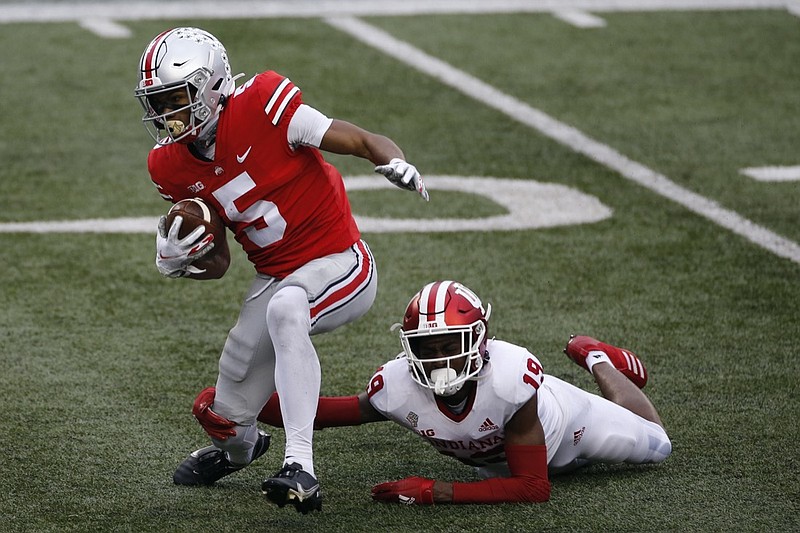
380,150
348,139
496,490
333,411
528,481
442,492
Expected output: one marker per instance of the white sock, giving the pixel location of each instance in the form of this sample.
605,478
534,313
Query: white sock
596,356
297,372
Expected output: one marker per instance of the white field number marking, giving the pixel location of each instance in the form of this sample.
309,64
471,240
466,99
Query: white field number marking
566,135
530,205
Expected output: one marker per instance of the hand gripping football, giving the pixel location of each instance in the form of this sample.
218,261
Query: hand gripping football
195,212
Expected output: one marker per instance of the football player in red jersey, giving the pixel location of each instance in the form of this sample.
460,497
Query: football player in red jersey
252,152
489,404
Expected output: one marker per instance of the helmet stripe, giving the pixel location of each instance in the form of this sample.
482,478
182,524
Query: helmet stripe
423,304
441,299
432,301
148,64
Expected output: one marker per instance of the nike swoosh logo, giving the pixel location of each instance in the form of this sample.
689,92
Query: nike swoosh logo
241,158
303,494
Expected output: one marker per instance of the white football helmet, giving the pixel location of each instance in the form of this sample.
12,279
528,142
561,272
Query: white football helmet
195,61
443,308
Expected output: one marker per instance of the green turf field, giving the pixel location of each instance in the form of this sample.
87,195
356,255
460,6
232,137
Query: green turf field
101,357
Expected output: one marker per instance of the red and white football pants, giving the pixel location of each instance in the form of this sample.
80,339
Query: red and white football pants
270,347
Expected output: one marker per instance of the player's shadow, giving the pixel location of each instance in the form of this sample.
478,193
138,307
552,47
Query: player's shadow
599,476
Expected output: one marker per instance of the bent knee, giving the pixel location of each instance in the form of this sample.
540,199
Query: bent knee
288,309
660,447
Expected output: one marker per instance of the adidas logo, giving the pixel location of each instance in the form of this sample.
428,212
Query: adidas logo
488,425
577,436
634,365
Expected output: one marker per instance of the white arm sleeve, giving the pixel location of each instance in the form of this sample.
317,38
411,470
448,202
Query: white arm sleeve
307,126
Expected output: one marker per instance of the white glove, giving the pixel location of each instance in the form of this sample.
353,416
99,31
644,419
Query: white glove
173,255
404,175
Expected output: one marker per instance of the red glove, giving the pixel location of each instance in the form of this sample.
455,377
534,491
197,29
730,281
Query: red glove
411,490
216,426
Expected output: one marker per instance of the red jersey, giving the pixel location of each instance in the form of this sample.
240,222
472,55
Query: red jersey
284,206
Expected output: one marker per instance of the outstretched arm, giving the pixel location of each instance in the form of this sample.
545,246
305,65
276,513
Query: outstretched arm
332,411
345,138
348,139
527,460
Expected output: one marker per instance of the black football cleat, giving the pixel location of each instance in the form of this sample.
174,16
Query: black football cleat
293,485
207,465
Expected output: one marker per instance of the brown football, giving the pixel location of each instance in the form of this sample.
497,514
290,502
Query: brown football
196,212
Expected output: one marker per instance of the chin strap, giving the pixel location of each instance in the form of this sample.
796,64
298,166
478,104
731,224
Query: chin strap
209,134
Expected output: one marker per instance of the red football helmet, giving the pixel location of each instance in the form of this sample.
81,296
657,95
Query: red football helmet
443,308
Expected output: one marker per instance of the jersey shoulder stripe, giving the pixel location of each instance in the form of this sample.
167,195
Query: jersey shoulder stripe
279,100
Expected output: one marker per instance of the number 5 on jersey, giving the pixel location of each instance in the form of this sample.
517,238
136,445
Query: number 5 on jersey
274,225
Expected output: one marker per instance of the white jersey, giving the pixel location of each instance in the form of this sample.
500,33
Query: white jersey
579,427
476,436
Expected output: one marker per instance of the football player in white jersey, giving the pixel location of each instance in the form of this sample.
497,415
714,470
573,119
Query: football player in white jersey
489,404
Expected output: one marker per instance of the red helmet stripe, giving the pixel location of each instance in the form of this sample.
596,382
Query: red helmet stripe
148,64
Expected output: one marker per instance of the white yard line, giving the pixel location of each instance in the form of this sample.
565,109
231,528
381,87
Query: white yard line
579,19
143,10
566,135
773,173
339,14
89,225
105,28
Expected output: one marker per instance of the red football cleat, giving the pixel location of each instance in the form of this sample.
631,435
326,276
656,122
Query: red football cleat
578,348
